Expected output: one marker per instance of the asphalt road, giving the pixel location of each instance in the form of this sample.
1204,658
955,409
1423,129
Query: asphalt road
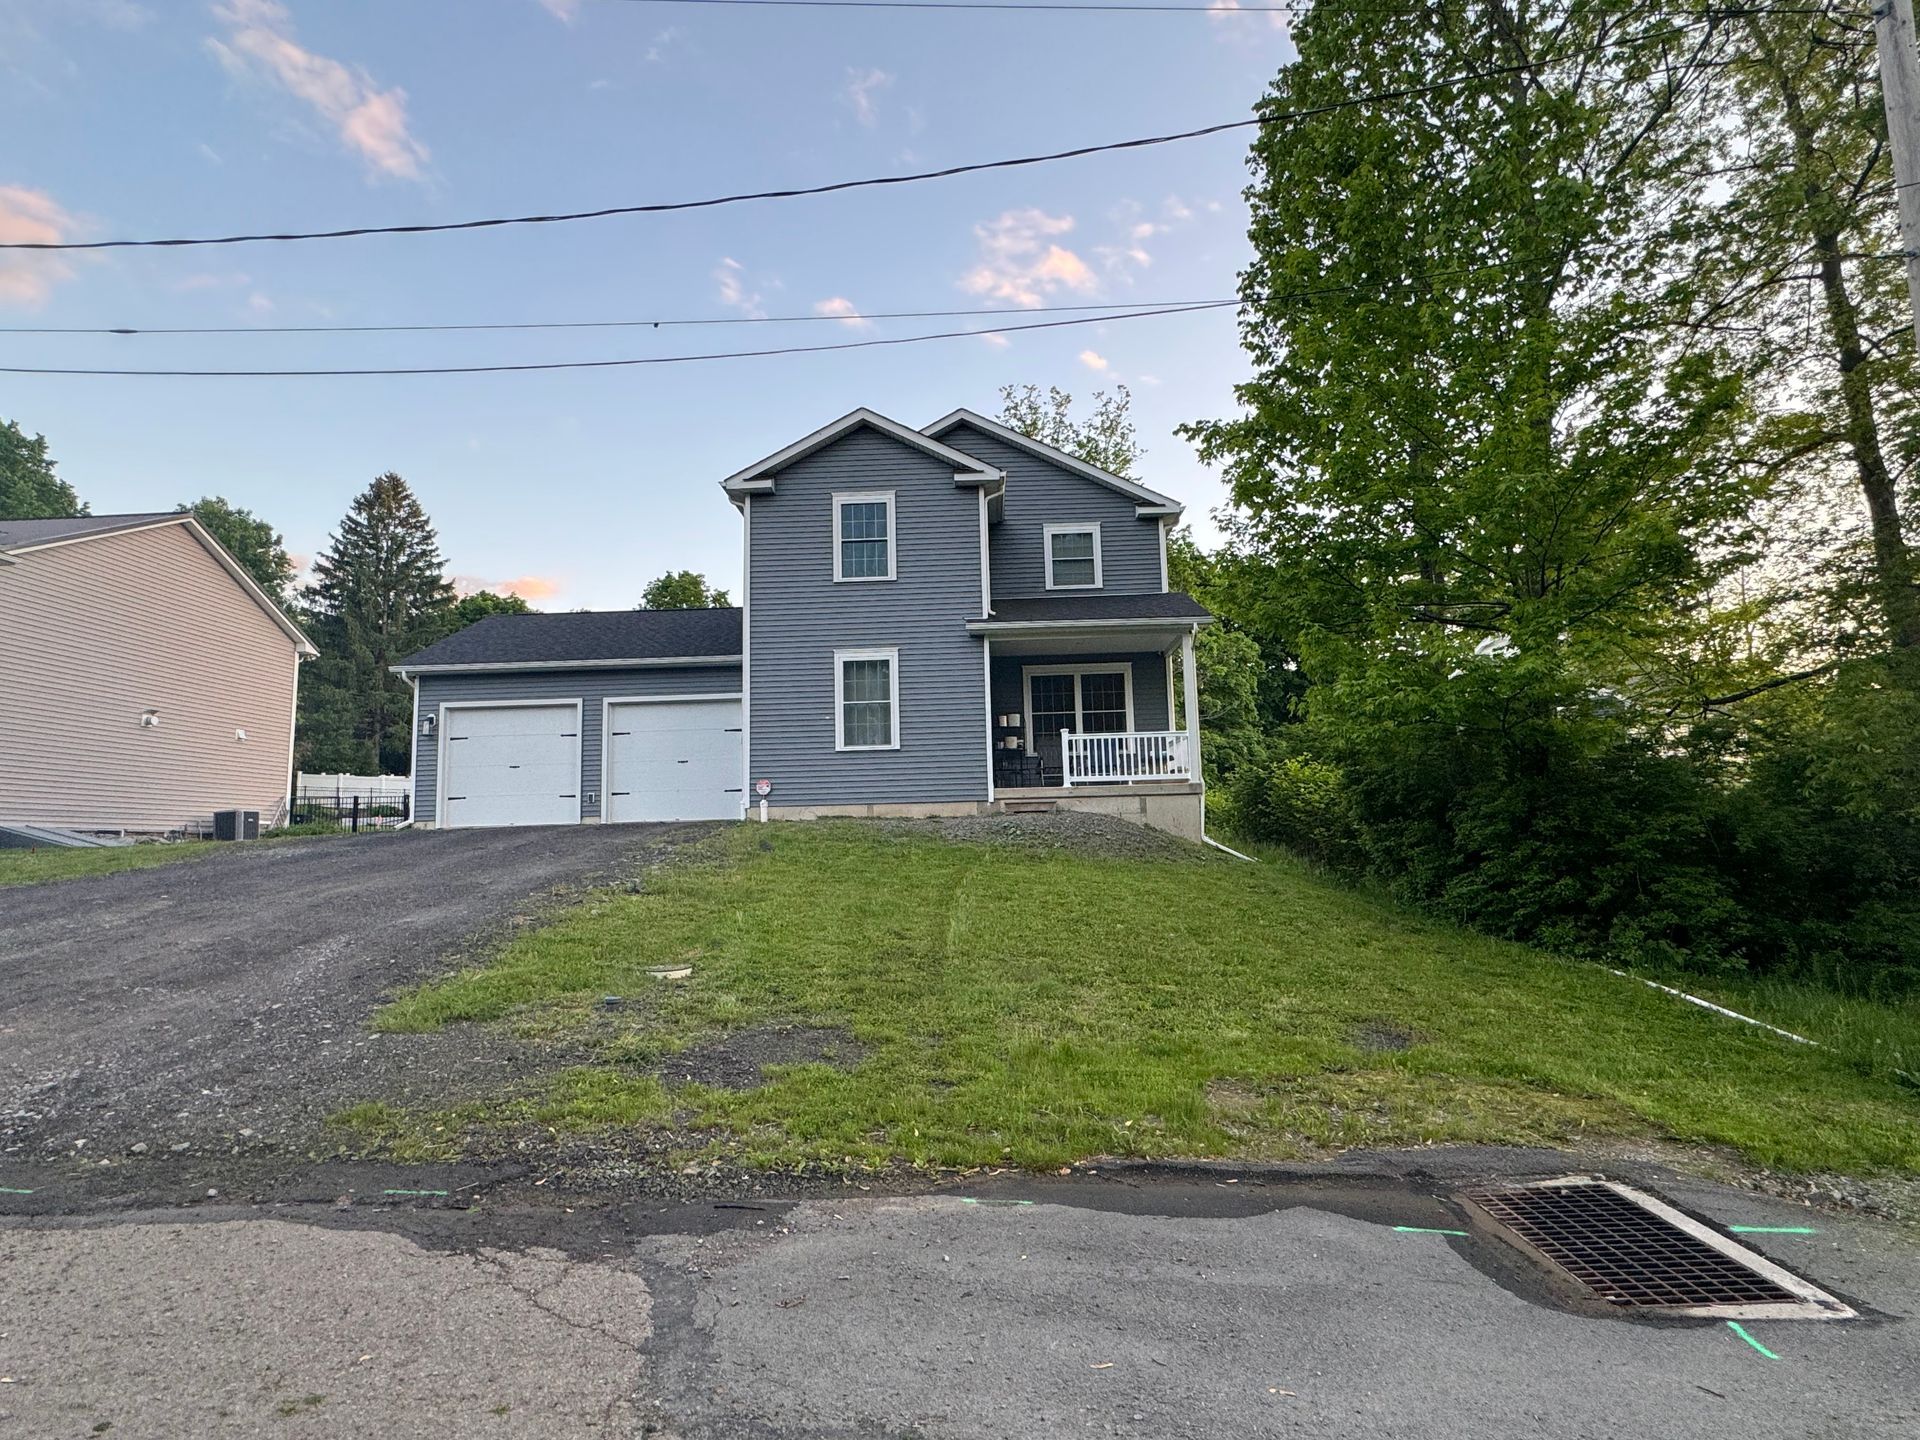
1122,1306
222,1003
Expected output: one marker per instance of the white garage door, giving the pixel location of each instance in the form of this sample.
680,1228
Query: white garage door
511,765
673,760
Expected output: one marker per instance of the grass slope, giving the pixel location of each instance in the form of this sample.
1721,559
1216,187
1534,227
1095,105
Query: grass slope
1035,1008
31,867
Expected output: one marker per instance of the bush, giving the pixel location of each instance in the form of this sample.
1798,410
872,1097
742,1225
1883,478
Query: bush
1302,804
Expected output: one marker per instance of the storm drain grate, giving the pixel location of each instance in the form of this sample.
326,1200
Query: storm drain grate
1633,1250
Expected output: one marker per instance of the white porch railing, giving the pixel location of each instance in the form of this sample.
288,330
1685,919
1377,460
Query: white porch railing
1126,755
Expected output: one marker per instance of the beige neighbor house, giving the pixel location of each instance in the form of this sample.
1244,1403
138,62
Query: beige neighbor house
146,681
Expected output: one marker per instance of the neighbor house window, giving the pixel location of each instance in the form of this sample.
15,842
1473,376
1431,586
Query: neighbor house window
866,699
1073,557
863,536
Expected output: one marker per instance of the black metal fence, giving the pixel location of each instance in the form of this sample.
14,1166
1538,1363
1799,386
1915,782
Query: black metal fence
352,812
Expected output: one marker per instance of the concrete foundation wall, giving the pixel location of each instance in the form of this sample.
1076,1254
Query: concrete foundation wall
1177,809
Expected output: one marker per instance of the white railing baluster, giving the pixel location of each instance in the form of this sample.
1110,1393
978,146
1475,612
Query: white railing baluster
1121,757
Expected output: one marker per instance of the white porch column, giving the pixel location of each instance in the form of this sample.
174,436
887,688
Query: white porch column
1190,696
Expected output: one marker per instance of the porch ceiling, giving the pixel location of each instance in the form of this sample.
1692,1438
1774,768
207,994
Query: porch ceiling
1109,640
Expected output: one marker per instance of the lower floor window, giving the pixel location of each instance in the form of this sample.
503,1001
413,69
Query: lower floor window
1087,702
866,699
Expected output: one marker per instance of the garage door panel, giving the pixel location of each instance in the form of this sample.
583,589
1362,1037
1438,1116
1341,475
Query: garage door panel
512,765
674,760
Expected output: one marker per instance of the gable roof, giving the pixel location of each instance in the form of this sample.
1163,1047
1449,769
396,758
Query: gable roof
759,477
583,639
21,534
1147,503
19,537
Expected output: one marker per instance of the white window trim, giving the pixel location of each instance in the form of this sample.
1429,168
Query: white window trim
1046,553
1027,672
864,497
889,653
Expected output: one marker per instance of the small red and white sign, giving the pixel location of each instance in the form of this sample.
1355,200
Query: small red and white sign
763,787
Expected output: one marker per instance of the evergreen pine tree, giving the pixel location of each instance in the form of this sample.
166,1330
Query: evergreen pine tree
380,592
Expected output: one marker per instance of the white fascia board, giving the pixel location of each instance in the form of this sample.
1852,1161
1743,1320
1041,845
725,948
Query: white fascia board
759,477
1150,501
1149,622
499,665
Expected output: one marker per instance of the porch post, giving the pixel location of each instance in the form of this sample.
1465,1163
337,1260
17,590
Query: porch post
1190,695
986,680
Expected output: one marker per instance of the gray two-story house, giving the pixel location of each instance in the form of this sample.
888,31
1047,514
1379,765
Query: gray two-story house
948,621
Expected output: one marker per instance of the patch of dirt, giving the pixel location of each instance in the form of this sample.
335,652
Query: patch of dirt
739,1059
1383,1035
1101,837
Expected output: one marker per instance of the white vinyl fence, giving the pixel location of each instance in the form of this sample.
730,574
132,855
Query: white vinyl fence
347,786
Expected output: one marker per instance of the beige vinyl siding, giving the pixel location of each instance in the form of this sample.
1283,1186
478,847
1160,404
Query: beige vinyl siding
92,633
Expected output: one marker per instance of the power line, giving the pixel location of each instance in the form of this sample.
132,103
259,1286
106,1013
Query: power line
632,361
1179,308
659,324
664,207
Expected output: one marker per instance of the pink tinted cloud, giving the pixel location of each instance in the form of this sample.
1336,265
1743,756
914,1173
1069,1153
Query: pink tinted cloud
844,310
27,277
526,587
1021,262
372,122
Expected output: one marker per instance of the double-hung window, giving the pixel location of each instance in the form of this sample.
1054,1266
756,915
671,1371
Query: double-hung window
866,699
1073,557
863,535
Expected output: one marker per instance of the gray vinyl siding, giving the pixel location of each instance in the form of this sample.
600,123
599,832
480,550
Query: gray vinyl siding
1150,708
1039,494
589,686
798,616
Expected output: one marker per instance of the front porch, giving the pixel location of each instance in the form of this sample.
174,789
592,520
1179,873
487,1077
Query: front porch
1092,711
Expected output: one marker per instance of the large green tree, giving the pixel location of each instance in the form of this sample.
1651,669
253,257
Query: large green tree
379,592
482,603
260,549
1804,268
1494,488
29,489
682,590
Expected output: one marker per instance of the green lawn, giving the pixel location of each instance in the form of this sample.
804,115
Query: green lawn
30,867
1036,1008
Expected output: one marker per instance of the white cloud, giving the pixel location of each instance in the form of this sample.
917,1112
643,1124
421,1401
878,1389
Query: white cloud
372,122
662,41
844,309
27,277
862,88
996,339
1232,24
564,11
1094,361
260,303
1020,262
735,293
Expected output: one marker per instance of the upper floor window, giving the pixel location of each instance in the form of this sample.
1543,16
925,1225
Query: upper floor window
863,535
1073,557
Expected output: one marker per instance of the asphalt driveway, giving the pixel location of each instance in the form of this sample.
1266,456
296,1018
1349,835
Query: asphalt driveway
220,1005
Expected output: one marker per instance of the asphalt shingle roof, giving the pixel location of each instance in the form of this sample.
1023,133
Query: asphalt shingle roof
15,533
587,635
1172,606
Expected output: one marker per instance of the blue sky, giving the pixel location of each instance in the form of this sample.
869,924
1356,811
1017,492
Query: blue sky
165,117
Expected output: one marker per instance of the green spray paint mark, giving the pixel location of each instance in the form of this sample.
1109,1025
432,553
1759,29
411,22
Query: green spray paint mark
9,1190
1741,1331
1425,1230
413,1192
1773,1229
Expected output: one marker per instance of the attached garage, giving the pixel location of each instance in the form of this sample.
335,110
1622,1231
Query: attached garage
614,717
504,763
674,758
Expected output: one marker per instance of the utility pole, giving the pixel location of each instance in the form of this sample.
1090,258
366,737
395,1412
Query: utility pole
1900,90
